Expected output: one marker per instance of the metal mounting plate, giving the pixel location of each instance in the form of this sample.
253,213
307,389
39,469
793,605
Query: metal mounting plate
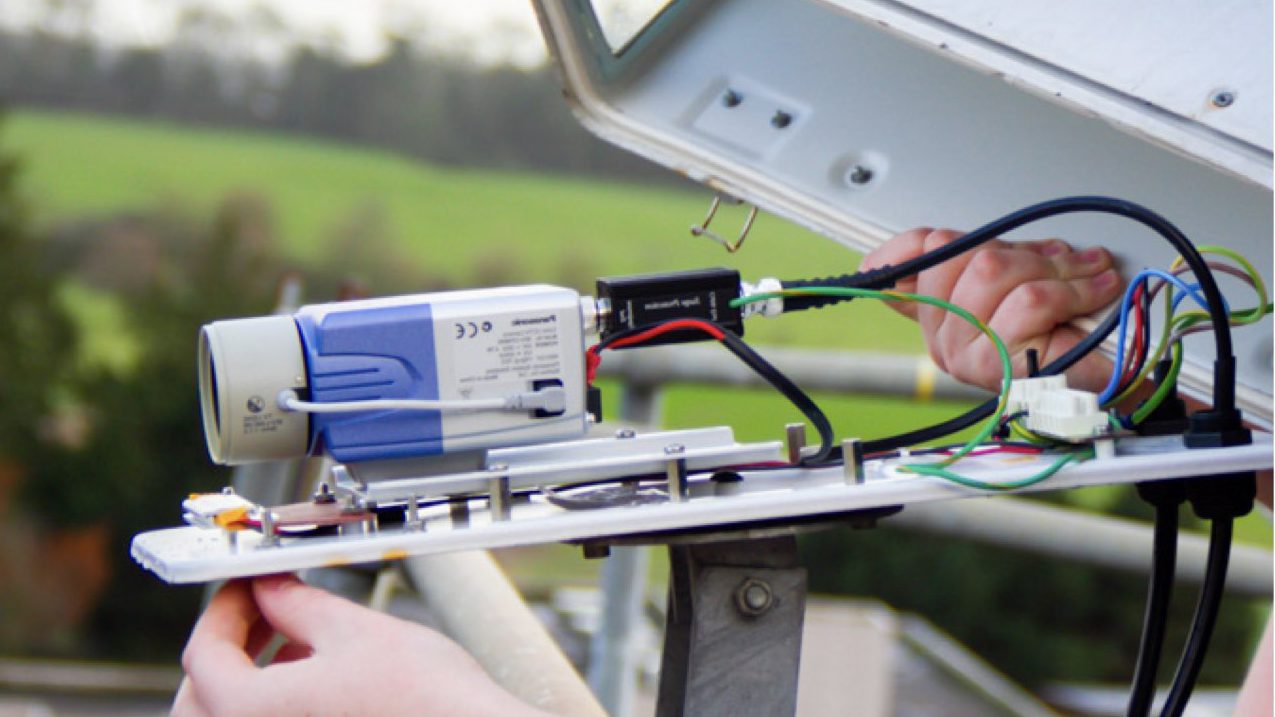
189,554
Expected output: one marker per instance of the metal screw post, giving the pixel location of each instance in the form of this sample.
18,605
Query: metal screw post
499,496
269,536
676,470
795,436
852,461
412,520
1222,98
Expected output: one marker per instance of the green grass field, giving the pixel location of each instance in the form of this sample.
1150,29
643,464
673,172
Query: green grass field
451,220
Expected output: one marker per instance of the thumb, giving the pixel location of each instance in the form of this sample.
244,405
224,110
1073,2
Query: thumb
307,615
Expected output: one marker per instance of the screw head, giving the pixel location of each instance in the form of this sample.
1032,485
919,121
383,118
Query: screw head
859,175
732,98
674,449
781,119
754,597
625,433
1222,98
497,468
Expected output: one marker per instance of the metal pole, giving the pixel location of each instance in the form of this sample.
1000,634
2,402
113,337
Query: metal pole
1084,537
613,664
476,605
814,370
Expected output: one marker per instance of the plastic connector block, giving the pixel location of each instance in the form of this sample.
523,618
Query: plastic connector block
1056,411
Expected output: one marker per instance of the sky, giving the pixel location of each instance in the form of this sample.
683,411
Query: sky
487,30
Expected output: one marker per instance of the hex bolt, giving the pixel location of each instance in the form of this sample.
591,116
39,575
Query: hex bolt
732,98
780,120
1222,98
626,433
754,597
859,174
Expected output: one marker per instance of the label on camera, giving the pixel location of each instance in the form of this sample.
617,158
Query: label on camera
506,349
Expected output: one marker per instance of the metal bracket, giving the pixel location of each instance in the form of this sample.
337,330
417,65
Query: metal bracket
702,229
732,643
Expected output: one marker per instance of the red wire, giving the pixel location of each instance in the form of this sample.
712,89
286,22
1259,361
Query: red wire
593,357
1138,353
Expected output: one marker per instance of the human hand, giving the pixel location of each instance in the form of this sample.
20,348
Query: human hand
341,659
1027,292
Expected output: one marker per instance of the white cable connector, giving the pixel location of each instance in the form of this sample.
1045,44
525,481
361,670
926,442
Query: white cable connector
1056,411
769,307
550,400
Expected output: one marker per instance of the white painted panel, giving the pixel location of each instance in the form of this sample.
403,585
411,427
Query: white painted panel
1172,53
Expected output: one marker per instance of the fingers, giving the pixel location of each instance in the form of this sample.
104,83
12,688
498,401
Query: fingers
215,659
1026,292
1036,308
1072,284
939,282
308,616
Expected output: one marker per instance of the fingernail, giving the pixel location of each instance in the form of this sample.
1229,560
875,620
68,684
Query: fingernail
1106,280
1091,255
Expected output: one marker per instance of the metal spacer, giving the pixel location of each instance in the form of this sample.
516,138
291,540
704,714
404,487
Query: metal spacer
795,437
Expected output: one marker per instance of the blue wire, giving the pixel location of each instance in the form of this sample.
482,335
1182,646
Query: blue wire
1191,290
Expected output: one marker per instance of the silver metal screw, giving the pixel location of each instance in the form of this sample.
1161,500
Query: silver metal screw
626,433
859,174
674,449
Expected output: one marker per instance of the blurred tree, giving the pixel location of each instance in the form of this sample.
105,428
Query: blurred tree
37,342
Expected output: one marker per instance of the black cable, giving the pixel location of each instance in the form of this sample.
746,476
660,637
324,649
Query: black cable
767,371
887,276
1206,611
1166,496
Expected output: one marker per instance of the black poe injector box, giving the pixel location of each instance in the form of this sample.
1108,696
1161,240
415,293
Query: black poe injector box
647,299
